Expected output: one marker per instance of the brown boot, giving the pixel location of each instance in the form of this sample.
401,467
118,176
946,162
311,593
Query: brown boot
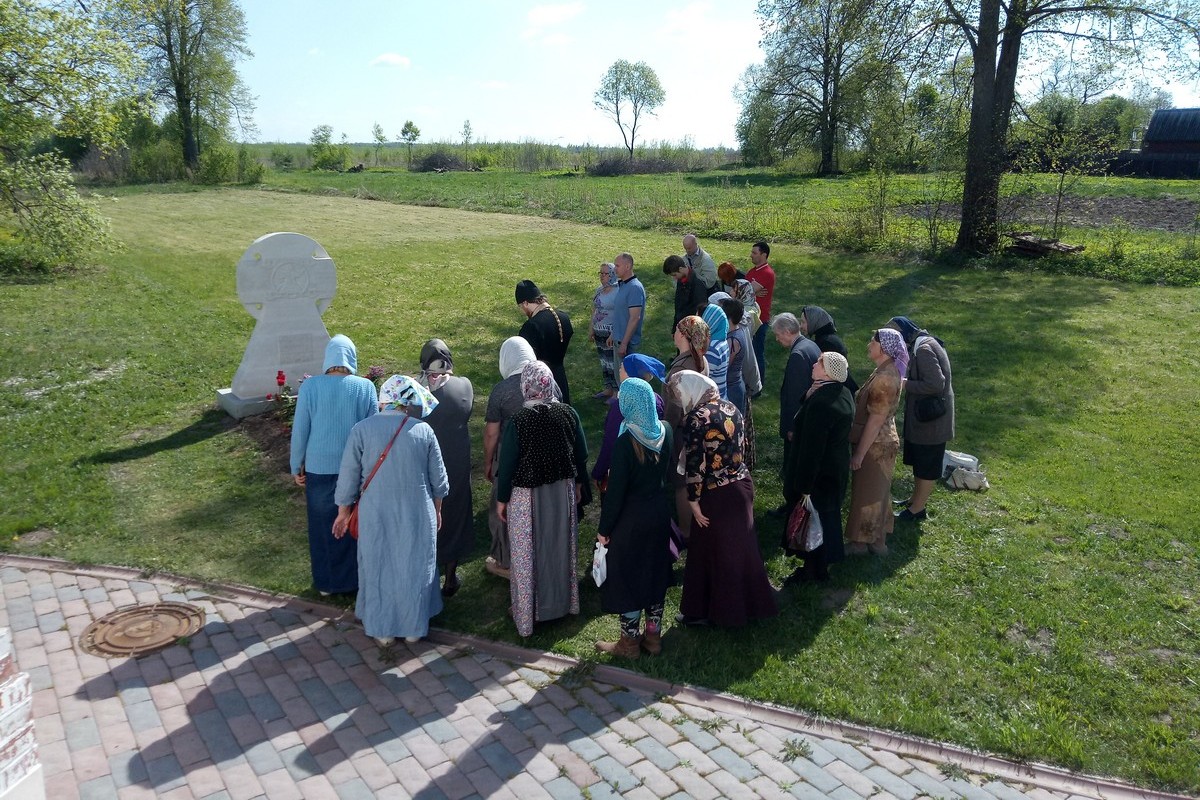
652,641
625,647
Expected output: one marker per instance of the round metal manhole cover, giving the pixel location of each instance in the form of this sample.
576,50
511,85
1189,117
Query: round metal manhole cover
137,630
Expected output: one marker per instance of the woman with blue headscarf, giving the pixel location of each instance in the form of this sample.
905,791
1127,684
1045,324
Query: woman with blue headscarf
329,405
399,512
635,523
634,365
718,348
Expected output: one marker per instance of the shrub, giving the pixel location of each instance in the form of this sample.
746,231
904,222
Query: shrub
613,166
217,165
17,258
249,170
439,160
282,159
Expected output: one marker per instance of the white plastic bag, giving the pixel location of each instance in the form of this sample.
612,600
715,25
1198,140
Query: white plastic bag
954,459
599,564
971,479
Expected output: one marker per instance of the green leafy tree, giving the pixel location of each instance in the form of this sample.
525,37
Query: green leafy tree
324,154
380,140
998,33
466,137
821,55
63,72
191,49
626,93
409,134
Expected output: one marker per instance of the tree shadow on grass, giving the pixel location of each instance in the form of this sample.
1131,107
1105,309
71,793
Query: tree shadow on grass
754,179
213,422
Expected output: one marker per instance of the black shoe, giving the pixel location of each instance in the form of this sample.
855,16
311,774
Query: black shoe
908,516
902,503
684,620
778,513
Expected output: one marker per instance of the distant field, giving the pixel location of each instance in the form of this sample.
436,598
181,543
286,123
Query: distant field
1054,618
1119,220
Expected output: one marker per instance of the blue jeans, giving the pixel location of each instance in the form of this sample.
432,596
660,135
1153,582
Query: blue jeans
760,351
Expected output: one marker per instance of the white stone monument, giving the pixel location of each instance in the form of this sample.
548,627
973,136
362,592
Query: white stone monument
20,771
286,281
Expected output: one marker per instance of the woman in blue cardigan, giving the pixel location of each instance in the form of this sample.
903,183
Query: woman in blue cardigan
328,406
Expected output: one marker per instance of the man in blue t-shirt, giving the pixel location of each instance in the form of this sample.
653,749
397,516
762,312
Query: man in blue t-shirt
628,309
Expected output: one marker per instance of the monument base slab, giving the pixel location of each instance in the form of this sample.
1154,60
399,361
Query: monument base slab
241,407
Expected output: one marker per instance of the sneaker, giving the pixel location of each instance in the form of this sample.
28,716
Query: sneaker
384,641
412,639
324,594
908,516
902,503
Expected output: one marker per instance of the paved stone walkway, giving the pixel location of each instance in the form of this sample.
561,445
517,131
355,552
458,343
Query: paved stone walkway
280,698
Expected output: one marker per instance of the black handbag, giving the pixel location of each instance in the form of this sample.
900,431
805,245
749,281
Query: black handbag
930,407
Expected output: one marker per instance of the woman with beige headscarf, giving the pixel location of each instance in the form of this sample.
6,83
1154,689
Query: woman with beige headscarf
691,339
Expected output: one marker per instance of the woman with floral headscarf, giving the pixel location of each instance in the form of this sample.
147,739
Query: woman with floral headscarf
602,312
543,466
724,581
874,445
818,463
635,524
456,401
328,407
399,512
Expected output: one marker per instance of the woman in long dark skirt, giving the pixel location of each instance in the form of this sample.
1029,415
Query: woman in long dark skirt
724,581
635,524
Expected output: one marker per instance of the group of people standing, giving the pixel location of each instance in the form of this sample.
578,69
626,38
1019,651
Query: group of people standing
673,470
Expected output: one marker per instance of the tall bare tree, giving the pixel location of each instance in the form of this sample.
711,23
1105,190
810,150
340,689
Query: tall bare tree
626,93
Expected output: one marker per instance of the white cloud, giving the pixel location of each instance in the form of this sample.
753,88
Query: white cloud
391,60
540,18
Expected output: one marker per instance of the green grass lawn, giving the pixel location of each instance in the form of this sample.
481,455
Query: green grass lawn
1054,618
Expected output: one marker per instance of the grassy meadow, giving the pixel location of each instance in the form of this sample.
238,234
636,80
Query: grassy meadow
1054,618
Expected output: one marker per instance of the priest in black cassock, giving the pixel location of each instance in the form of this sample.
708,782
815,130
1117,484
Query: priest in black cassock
547,330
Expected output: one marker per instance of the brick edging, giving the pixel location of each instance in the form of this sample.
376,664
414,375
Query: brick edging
1043,775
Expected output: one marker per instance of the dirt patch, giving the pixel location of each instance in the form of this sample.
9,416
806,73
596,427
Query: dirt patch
36,538
1142,213
274,440
1109,530
1040,643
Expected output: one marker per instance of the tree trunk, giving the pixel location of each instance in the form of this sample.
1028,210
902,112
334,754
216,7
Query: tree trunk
187,124
994,88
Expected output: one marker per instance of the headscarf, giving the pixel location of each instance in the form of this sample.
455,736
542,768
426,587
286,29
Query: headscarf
436,364
908,329
693,389
836,365
636,365
817,318
401,392
718,323
340,352
695,330
716,296
891,342
613,280
538,385
636,401
515,353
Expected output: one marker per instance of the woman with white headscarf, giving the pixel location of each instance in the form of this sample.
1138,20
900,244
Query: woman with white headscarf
504,401
456,402
818,463
328,407
399,512
542,472
724,581
875,445
635,523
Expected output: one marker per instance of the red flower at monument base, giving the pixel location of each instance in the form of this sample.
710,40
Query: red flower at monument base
270,397
280,378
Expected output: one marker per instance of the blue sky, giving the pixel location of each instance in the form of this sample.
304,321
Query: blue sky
516,70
